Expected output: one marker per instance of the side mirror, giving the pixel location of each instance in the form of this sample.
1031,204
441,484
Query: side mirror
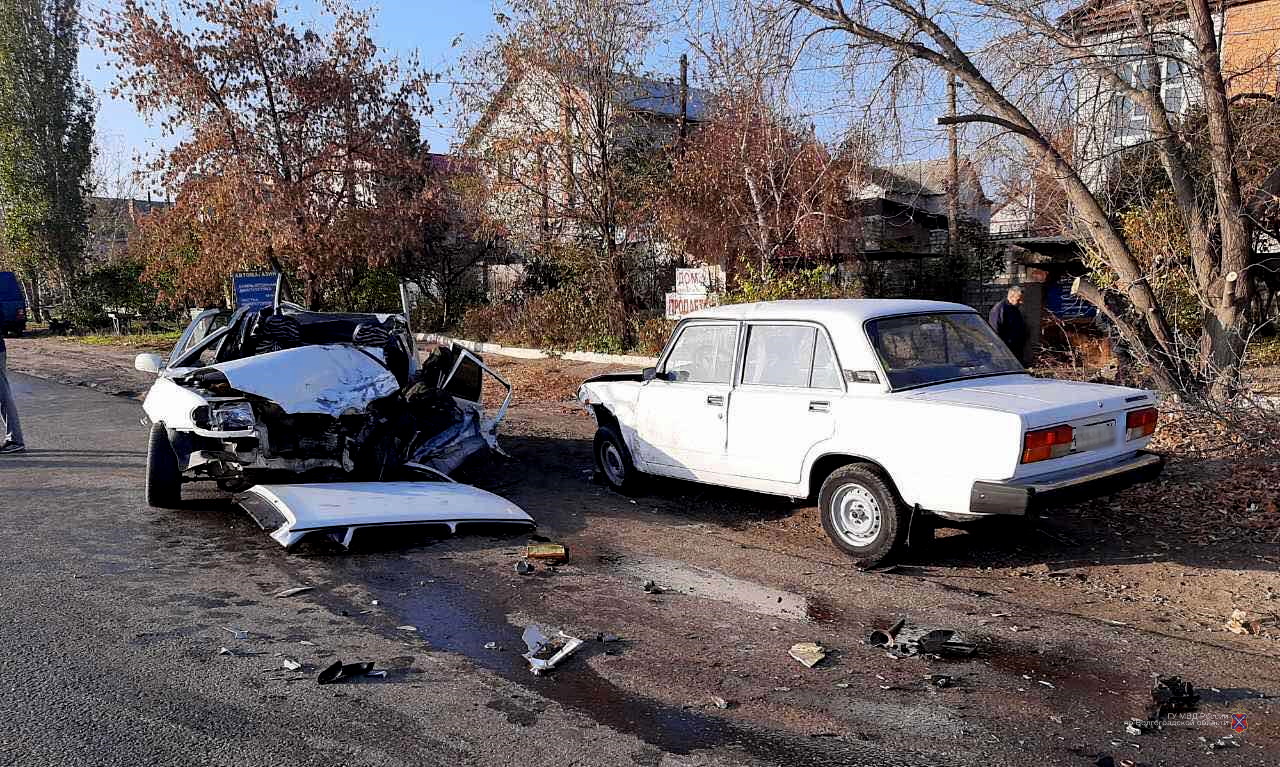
148,363
648,374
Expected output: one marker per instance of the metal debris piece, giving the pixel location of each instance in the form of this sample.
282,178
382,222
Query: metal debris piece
340,672
547,652
378,673
294,591
1229,741
942,680
603,637
524,567
652,588
552,552
407,628
491,645
237,633
720,703
885,637
808,653
1171,695
1133,727
225,651
291,664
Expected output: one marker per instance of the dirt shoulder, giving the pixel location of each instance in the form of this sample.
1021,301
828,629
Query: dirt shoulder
1072,616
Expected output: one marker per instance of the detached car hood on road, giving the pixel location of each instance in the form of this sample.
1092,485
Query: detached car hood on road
330,379
290,512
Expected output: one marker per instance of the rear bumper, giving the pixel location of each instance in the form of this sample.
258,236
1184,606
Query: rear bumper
1021,497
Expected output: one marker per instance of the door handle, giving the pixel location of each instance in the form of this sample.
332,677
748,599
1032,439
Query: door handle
819,406
715,399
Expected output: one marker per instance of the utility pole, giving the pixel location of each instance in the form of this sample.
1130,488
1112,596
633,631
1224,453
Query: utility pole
953,190
684,94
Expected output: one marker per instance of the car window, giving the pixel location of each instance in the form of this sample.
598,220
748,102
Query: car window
201,327
779,355
703,354
931,348
826,373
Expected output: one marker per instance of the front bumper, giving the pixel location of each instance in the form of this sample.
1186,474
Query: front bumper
1021,497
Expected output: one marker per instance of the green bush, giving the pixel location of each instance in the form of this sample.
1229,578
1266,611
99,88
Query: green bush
115,286
768,283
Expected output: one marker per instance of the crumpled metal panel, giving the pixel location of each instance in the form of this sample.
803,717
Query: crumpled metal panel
329,379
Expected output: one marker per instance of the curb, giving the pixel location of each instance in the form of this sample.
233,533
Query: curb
537,354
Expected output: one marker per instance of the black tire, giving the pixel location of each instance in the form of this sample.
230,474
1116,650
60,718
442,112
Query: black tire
862,515
613,460
164,479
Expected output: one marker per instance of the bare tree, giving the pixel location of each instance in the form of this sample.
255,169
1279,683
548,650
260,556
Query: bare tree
1033,56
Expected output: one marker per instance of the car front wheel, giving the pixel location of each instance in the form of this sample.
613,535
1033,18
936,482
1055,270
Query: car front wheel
862,515
613,460
164,479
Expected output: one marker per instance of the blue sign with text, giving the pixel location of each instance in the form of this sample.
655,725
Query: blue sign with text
255,290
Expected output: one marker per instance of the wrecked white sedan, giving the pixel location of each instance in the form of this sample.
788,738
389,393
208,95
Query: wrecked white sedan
287,395
891,413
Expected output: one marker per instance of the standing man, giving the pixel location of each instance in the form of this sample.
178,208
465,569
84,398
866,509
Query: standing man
12,431
1006,320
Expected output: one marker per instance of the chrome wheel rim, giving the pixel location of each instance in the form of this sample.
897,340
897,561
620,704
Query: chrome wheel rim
856,515
611,462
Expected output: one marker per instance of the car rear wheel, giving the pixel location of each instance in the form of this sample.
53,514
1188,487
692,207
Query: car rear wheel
164,479
613,460
862,515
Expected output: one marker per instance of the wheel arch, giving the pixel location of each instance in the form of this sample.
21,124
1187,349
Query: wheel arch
827,463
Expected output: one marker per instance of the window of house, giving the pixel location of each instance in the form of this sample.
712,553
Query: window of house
703,354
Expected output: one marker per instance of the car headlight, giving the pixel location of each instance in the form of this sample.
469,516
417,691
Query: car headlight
231,416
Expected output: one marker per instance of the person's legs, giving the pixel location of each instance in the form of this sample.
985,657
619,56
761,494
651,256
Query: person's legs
8,410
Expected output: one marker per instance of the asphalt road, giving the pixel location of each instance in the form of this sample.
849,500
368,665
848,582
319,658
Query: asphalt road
114,616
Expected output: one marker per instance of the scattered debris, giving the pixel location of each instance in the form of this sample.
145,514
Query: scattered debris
720,703
340,672
378,673
808,653
407,628
237,633
1241,623
1171,695
491,645
1229,741
900,642
603,637
652,588
291,664
942,680
552,552
886,637
547,652
225,651
524,567
1133,727
294,591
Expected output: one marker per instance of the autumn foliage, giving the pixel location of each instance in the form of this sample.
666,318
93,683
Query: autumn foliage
297,148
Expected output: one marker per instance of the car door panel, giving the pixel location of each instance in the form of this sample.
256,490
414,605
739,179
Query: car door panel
682,411
783,404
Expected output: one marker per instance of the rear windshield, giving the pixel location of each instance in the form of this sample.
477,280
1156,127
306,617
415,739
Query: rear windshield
924,349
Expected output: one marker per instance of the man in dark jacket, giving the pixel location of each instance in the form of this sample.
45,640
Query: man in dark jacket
1006,320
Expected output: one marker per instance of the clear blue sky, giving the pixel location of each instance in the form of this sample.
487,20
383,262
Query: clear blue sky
427,27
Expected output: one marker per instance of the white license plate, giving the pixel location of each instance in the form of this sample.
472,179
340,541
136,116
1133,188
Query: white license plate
1093,436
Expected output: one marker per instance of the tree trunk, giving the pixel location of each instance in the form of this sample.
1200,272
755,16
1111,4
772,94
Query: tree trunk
33,294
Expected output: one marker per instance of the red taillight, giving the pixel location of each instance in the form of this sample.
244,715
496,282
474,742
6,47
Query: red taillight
1043,444
1140,423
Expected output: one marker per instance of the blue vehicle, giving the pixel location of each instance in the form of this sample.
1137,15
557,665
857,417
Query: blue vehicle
13,306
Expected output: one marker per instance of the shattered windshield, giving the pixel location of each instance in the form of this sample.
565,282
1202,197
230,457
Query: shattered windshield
923,349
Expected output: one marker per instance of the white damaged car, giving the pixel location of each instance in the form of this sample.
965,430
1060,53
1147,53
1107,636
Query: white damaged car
334,409
890,413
